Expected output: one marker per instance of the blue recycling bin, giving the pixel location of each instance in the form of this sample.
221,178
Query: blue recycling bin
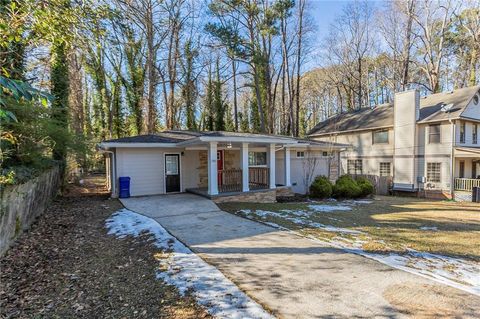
124,191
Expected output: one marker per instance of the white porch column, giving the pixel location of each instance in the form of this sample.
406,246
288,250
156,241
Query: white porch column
212,169
271,164
286,167
244,166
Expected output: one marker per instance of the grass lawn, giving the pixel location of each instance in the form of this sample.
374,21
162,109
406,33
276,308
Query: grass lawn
382,225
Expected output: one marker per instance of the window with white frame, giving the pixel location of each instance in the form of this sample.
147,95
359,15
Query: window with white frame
434,133
354,167
385,169
257,158
475,133
380,137
462,132
300,154
434,172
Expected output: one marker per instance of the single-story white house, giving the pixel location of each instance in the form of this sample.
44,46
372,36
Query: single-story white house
216,163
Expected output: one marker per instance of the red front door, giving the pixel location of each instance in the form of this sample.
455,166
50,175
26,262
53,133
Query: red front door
219,167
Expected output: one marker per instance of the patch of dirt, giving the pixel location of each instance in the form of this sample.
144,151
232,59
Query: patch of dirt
419,301
66,266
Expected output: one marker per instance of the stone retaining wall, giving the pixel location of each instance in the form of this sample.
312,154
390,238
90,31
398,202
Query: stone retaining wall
21,204
260,196
256,196
284,191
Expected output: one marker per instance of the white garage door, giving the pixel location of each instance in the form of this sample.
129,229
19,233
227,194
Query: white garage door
144,167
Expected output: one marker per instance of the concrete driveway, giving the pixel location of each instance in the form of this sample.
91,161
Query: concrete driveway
296,277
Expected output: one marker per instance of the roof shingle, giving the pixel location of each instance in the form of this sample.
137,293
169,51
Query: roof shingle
382,115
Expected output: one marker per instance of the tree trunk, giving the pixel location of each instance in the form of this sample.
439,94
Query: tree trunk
301,10
151,74
76,93
235,106
60,87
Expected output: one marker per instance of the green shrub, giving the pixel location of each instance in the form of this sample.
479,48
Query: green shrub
321,187
346,187
366,186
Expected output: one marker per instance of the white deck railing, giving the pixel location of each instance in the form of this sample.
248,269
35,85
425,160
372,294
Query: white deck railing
466,184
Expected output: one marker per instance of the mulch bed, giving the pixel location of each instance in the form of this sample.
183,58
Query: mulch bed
67,266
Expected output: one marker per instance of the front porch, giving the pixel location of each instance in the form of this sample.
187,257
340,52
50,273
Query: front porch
230,180
227,169
467,170
467,173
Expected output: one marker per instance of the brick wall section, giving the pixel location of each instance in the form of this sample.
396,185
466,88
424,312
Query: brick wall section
21,204
202,169
230,160
334,168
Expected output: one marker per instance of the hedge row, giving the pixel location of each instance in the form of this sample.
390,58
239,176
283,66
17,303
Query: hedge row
344,187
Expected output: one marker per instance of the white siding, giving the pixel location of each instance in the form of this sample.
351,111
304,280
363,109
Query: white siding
373,154
145,167
405,138
190,170
472,111
468,133
363,148
297,169
468,167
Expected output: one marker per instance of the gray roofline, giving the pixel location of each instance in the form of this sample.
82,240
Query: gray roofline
106,145
348,131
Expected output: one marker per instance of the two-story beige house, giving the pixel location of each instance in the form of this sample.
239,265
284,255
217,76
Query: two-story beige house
429,145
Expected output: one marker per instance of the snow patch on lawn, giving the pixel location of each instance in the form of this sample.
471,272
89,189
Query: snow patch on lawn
301,220
428,228
455,272
361,201
328,208
187,271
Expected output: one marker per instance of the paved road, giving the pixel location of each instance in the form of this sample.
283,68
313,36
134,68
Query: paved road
296,277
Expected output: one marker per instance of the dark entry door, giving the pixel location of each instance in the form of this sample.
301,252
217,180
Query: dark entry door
172,173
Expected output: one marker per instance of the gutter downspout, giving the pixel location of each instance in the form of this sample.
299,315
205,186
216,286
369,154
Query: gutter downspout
452,160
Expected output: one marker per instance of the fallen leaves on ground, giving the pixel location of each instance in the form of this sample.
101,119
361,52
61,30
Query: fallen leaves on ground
67,266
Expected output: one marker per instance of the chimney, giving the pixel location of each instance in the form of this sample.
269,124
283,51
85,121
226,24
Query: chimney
406,114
